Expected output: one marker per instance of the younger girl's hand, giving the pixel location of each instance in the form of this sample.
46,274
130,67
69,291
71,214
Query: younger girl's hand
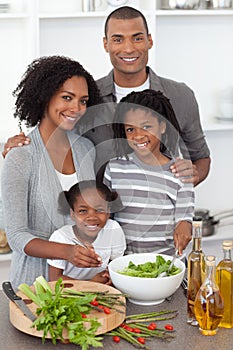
102,277
83,257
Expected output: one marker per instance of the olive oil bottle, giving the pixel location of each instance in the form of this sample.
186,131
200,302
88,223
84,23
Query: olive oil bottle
196,269
224,278
209,305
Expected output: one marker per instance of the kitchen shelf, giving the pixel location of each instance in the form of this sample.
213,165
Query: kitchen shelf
72,14
217,126
79,14
35,28
159,13
9,15
164,13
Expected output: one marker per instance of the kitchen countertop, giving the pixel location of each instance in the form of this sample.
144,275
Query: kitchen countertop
187,337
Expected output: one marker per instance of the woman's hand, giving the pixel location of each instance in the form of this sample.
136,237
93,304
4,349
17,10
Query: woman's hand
15,141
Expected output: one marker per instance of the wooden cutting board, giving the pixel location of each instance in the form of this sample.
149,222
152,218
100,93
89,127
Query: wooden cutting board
108,322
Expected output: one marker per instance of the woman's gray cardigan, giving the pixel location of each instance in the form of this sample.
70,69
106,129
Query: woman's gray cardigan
30,190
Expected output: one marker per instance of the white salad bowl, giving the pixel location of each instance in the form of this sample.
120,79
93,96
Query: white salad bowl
141,290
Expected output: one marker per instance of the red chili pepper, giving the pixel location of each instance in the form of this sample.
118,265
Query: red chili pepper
122,325
84,315
128,328
107,310
101,307
116,339
168,327
136,330
141,340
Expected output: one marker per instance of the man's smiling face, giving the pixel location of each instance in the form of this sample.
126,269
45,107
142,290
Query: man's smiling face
127,43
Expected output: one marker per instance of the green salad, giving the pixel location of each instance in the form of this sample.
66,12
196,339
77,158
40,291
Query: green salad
150,269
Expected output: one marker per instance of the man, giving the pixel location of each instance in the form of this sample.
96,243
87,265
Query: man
128,42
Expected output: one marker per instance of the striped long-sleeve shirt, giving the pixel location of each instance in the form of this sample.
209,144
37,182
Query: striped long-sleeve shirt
153,199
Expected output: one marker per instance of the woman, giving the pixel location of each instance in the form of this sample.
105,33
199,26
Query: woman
52,96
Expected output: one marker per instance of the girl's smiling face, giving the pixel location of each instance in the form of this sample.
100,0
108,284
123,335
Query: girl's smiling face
143,132
91,212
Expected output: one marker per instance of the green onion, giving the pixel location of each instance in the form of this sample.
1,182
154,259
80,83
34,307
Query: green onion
25,289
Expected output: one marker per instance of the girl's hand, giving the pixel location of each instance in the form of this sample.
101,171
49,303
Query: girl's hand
102,277
182,235
83,257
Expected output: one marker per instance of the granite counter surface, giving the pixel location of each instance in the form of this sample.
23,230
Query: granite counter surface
187,337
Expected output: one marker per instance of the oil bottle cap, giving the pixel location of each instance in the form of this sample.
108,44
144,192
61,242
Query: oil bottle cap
210,260
227,244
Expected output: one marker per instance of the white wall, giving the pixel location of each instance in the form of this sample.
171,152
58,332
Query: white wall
198,51
195,49
216,192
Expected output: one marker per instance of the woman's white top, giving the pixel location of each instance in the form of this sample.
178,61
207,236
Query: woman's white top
67,181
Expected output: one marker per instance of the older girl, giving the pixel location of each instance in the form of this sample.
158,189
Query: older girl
158,206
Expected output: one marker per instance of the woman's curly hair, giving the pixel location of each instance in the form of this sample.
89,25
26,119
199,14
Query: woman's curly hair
160,107
43,77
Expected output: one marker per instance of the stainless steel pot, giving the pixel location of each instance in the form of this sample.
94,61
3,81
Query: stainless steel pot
180,4
210,223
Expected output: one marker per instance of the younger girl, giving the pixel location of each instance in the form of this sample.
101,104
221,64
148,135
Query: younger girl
90,205
158,206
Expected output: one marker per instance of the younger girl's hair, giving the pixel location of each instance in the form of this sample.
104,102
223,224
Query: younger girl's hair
76,190
156,103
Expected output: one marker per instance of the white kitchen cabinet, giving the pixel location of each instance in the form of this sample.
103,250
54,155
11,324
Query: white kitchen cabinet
193,46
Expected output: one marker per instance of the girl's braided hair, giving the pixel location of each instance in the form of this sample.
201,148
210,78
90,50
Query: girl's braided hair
160,107
68,198
77,189
43,77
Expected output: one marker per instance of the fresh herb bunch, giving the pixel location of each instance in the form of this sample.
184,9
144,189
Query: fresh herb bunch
58,312
150,269
66,309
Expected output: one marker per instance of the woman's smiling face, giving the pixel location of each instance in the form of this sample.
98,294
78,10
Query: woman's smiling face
143,132
68,104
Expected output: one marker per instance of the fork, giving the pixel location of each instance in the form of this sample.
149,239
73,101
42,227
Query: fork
175,256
